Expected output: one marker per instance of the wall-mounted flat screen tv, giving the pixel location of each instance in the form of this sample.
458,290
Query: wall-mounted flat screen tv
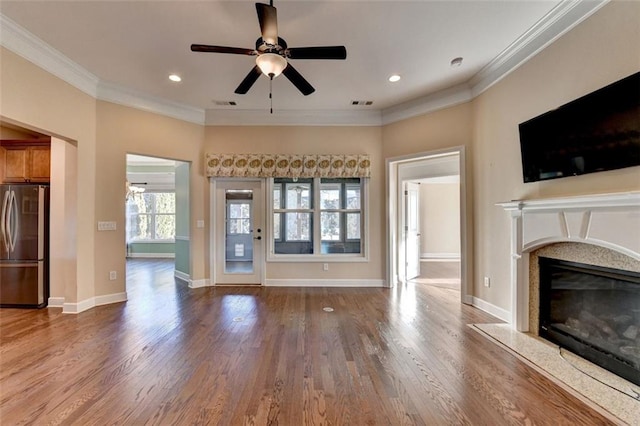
597,132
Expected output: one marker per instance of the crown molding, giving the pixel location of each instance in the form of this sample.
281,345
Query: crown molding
135,99
443,99
23,43
561,19
219,117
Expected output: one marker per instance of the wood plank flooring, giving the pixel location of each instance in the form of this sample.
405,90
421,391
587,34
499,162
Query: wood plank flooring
269,356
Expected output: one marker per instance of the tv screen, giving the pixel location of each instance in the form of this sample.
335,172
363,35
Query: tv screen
597,132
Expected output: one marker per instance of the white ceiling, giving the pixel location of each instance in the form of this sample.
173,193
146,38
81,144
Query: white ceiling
131,47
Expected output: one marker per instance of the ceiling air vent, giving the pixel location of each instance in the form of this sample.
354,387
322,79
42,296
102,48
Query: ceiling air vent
225,103
367,103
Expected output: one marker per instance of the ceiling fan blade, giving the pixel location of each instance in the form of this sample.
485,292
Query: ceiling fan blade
222,49
268,17
320,52
298,80
248,81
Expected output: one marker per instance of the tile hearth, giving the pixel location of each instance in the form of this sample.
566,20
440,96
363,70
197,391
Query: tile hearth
610,393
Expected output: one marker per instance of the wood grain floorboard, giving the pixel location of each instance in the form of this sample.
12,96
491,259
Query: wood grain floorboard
172,355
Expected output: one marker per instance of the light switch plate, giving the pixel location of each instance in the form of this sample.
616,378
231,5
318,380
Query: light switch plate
106,226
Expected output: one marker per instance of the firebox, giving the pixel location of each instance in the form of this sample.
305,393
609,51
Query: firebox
594,312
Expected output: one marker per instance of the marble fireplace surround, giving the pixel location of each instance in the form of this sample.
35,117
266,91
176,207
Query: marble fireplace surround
610,222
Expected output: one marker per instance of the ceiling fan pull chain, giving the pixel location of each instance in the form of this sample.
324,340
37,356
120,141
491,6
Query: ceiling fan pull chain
271,93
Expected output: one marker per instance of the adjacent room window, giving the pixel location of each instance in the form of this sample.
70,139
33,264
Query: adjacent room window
317,216
152,216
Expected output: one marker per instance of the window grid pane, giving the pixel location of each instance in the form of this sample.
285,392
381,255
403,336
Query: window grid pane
298,226
151,216
330,226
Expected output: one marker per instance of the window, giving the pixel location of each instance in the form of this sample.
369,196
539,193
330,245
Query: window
151,216
317,216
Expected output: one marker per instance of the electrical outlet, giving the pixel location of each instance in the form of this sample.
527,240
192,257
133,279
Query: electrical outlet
325,266
487,282
113,275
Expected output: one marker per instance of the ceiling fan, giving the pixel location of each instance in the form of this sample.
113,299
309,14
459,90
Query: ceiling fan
272,53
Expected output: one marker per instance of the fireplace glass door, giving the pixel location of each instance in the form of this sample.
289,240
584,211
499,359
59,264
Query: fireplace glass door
592,311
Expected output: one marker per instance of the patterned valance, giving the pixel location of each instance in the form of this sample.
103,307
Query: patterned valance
287,165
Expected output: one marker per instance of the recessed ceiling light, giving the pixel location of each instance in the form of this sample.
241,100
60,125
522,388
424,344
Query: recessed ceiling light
175,77
394,78
456,62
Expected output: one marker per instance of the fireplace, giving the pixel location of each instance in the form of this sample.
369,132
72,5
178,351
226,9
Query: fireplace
592,311
599,229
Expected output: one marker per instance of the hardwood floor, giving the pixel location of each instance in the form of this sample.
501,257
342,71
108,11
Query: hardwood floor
232,356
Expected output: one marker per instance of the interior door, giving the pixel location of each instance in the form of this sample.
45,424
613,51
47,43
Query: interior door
239,232
412,229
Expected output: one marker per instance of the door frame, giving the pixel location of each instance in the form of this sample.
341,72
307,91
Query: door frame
393,210
213,231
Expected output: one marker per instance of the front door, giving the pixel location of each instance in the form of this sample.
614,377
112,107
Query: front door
239,232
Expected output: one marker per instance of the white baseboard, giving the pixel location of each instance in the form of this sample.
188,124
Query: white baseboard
84,305
441,257
55,302
152,255
322,283
199,283
182,276
492,309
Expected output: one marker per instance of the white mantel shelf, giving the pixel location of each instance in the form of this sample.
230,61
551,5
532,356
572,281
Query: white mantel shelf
606,220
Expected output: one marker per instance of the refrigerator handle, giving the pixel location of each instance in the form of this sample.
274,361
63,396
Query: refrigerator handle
4,218
14,215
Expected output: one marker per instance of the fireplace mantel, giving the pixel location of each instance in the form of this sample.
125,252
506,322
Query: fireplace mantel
606,220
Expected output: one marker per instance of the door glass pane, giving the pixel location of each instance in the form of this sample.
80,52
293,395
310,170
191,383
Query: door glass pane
239,234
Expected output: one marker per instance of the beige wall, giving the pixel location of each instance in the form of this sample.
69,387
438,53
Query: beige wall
123,130
37,100
601,50
439,219
316,140
583,60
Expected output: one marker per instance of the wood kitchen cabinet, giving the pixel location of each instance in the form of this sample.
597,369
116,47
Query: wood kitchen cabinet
25,163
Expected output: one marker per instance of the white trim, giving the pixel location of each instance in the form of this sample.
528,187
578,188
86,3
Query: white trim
492,309
107,299
152,255
218,117
55,302
606,220
200,283
182,276
393,234
181,238
23,43
561,19
430,257
305,282
132,98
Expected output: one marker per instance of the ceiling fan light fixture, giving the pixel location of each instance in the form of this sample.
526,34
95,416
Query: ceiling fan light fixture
271,64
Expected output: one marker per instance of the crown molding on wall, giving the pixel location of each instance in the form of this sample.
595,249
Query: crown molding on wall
30,47
562,18
443,99
132,98
293,118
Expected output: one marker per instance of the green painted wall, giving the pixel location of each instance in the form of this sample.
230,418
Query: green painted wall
151,248
183,214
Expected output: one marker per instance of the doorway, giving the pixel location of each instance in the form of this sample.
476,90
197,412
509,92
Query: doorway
238,232
417,168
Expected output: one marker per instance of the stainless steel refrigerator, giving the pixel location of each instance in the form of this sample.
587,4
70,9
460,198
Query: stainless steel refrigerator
24,245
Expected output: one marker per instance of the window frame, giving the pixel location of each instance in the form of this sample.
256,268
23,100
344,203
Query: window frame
315,211
153,214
